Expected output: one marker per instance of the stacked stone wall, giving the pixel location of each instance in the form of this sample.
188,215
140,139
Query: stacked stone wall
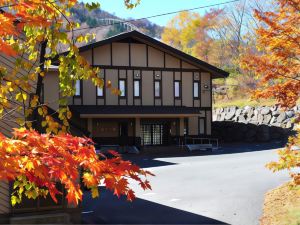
253,123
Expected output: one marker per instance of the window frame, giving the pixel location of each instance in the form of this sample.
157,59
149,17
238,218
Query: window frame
125,88
160,89
198,85
97,92
179,91
80,89
139,88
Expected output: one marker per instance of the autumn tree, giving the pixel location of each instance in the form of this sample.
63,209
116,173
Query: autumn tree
180,31
190,32
220,37
277,66
205,47
35,162
33,33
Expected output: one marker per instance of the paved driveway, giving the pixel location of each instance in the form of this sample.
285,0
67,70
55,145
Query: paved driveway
226,187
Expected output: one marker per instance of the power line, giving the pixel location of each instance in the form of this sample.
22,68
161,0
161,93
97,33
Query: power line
158,15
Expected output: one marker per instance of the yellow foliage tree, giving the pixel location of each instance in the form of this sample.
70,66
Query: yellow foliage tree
180,32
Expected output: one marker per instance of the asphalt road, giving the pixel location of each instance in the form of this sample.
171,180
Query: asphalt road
226,187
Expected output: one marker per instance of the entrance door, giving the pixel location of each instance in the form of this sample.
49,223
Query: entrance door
157,134
154,134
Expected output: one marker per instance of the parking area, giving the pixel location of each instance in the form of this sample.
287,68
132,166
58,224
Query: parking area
226,187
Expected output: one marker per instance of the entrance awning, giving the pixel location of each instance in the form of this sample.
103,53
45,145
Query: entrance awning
101,111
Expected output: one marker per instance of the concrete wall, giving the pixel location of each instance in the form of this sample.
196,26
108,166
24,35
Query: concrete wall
120,54
111,75
105,128
108,128
102,55
147,88
155,57
205,90
167,88
187,87
138,55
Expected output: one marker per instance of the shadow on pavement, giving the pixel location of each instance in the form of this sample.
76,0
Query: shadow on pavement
224,148
231,148
108,209
147,159
145,162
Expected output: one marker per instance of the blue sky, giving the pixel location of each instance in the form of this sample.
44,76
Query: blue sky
153,7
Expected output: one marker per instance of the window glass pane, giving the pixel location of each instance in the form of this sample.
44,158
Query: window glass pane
196,89
136,88
157,89
122,87
100,91
77,88
177,89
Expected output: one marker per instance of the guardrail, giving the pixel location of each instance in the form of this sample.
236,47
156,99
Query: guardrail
213,141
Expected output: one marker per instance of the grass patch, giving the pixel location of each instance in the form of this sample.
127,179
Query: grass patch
241,102
282,206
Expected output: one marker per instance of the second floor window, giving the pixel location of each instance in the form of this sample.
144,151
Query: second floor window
157,89
196,89
137,88
122,88
78,88
177,89
100,91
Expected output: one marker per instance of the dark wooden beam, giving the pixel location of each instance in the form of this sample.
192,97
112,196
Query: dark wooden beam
146,68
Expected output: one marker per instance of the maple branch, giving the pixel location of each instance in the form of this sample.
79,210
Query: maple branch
16,4
66,18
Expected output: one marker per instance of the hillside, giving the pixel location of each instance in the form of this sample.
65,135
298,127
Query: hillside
94,19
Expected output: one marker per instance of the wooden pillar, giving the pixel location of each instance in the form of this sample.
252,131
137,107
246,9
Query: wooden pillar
181,127
90,126
137,127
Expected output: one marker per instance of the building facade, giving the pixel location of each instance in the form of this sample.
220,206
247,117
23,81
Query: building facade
165,93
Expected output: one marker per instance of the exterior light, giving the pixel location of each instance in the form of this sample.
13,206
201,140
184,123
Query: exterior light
137,75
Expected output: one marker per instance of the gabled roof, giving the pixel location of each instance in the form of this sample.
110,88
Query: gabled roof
136,36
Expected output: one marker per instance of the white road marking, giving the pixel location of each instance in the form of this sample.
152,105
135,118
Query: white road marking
87,212
174,200
150,193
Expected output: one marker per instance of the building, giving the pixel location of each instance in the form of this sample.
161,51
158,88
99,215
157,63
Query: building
165,93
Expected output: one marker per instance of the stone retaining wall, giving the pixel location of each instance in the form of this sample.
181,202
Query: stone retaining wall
253,123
